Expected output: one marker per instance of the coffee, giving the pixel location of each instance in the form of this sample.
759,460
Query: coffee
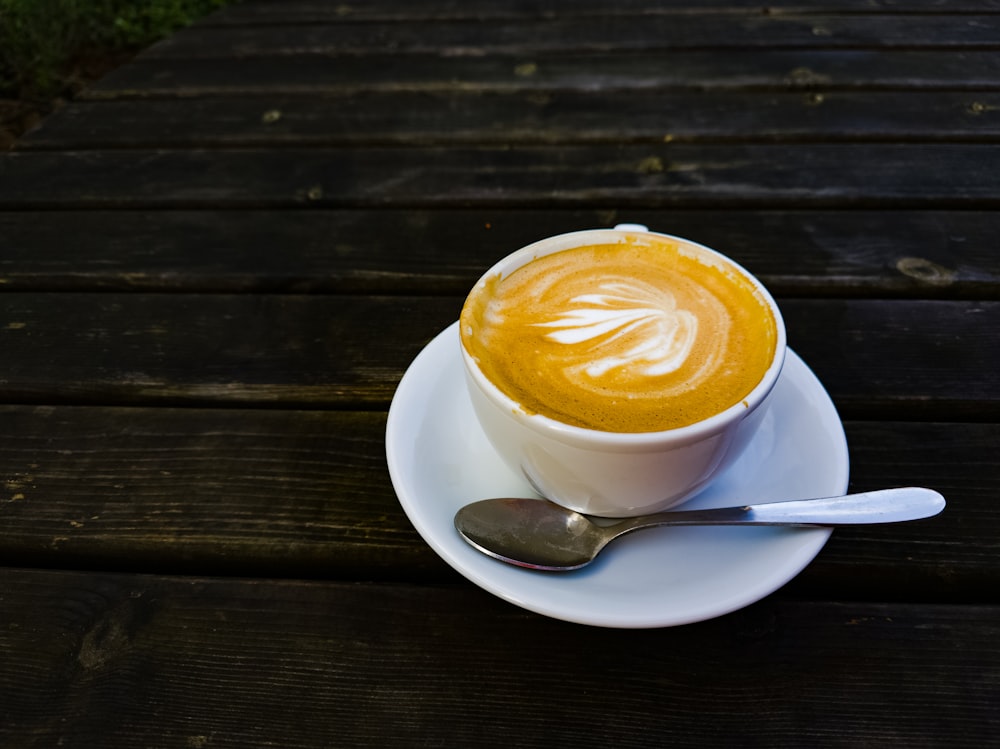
641,335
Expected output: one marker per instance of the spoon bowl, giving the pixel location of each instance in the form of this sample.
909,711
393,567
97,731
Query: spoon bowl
542,535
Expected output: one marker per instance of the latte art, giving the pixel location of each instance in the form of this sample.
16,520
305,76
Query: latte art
630,326
639,336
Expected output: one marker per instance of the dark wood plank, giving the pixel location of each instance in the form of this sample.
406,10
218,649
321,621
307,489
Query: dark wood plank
125,661
245,492
943,254
954,554
855,175
534,118
300,351
307,494
858,349
928,359
266,12
572,32
682,70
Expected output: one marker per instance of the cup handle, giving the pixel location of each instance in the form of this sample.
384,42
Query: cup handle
631,227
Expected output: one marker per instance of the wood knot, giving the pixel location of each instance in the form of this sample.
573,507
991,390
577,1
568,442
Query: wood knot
310,194
925,271
107,638
803,77
651,165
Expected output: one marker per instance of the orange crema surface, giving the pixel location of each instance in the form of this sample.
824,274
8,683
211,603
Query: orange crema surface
640,336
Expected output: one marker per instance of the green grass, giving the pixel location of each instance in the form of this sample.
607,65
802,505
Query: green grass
40,40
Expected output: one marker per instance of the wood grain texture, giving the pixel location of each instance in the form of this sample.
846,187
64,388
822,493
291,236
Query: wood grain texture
920,254
573,32
858,348
929,359
271,493
216,264
958,460
300,351
125,660
559,117
630,176
306,494
692,70
268,12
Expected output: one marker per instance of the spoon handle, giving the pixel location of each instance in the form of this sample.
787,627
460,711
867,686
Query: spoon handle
883,506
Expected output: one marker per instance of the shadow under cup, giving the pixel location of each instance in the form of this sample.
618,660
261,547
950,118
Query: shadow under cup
618,474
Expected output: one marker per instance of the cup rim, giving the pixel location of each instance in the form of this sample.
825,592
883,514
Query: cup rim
596,438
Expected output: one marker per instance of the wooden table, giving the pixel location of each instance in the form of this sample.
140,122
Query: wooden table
218,262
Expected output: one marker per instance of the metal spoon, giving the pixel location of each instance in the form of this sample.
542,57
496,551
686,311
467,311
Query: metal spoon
544,536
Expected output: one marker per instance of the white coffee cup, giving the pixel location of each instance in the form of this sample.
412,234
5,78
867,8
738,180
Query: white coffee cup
617,474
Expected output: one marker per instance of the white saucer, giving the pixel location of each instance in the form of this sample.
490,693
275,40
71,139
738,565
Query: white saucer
439,460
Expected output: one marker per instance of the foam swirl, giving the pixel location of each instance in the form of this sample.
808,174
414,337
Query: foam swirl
635,336
630,325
